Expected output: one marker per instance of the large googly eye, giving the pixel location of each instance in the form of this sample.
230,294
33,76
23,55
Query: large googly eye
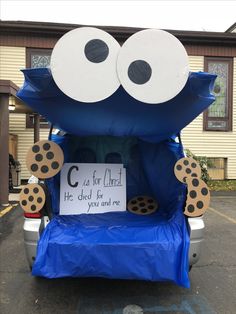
153,66
83,64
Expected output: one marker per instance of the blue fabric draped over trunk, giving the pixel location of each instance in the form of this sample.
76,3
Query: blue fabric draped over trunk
119,244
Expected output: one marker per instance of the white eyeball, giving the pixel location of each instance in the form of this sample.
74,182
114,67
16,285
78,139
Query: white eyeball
83,64
153,66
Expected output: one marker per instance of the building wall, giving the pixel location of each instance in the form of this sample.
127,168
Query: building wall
212,144
12,59
17,125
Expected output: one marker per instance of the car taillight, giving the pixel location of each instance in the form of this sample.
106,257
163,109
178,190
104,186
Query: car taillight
32,215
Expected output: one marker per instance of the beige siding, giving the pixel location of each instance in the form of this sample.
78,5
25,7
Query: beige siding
25,139
12,59
212,144
196,63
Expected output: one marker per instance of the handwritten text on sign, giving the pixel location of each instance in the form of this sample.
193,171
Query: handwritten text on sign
92,188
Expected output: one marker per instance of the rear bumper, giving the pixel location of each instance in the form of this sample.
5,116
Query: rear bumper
197,227
34,227
32,230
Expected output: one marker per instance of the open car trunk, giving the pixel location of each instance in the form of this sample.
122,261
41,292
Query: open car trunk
120,244
123,130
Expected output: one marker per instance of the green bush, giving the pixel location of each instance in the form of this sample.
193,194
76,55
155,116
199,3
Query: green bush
204,163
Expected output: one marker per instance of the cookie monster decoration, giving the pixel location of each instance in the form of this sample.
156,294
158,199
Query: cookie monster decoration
122,105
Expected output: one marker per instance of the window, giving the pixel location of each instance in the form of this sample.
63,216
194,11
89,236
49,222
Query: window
37,58
218,117
30,121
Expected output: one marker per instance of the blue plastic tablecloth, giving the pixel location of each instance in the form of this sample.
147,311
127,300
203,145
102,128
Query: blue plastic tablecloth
120,245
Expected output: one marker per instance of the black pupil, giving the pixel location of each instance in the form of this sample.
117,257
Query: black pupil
96,51
139,72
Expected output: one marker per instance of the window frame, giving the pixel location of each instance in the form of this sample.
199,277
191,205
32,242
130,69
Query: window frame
228,119
38,51
41,52
30,122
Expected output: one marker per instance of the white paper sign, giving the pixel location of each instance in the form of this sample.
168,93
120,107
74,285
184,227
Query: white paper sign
92,188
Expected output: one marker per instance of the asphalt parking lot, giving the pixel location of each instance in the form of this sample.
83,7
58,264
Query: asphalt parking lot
213,279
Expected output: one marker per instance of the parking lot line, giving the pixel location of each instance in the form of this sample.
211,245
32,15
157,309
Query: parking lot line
6,210
226,196
222,215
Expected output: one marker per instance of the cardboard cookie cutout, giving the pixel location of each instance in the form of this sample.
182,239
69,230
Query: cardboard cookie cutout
198,198
142,205
187,167
32,198
44,159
